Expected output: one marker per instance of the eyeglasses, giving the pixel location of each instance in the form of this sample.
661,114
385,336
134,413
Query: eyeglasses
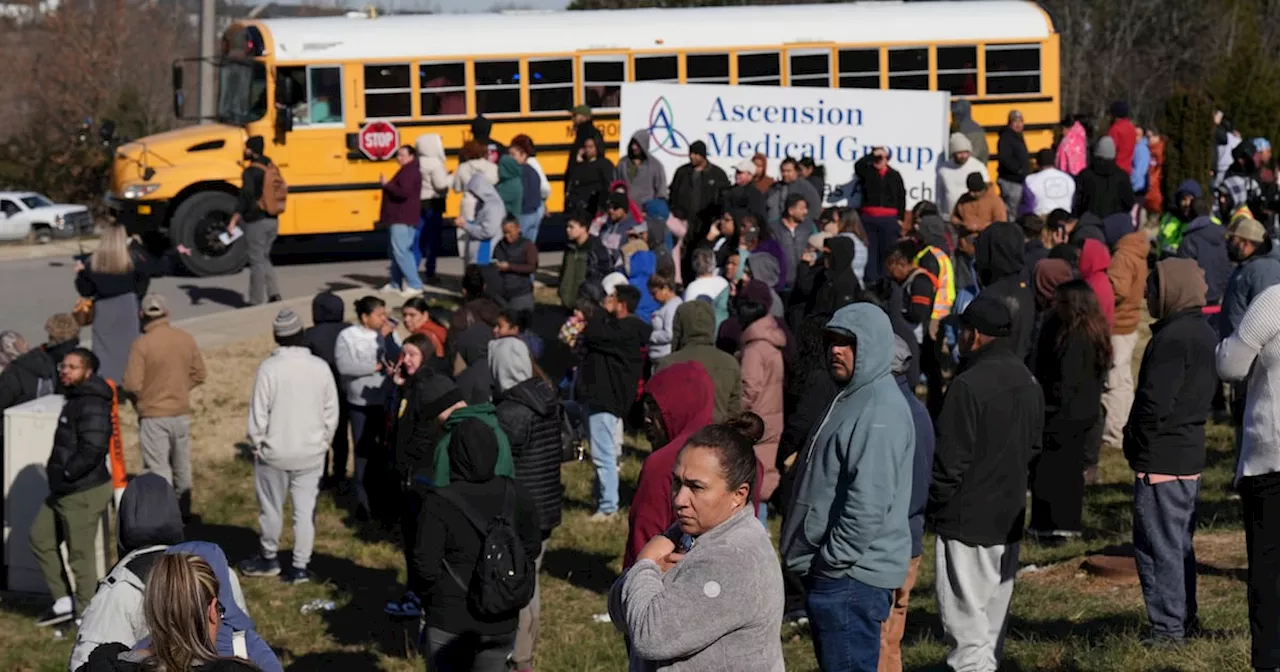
222,611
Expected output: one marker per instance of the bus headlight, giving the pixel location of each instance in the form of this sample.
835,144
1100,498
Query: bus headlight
136,191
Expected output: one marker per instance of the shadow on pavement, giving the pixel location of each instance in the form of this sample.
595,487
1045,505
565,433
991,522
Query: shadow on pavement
219,295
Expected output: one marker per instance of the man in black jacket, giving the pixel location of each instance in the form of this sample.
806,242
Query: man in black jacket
1164,443
260,228
585,259
1014,162
744,197
35,372
587,182
79,487
607,382
697,192
328,317
998,259
1103,188
988,431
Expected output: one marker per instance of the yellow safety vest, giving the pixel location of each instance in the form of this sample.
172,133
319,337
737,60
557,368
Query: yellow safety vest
945,296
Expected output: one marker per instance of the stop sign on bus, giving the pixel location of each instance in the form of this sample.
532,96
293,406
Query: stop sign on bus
379,140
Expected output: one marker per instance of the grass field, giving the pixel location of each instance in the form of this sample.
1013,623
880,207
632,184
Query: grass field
1062,619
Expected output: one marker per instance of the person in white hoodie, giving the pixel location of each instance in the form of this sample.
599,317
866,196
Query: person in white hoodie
363,353
953,172
436,181
292,417
1048,188
473,230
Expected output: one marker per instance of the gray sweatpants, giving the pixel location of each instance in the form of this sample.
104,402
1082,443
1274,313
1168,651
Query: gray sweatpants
260,236
974,585
166,449
302,486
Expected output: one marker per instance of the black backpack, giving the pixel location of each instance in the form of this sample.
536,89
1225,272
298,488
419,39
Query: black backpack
505,575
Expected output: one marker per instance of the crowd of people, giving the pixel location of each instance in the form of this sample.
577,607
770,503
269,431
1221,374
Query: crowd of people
862,372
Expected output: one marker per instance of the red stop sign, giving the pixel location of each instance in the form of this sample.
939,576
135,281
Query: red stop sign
379,140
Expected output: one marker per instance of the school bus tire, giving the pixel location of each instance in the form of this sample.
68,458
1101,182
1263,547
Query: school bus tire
196,224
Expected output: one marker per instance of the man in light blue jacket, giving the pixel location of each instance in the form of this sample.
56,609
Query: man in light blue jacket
847,531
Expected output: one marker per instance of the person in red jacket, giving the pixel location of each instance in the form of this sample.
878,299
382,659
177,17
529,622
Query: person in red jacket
1124,134
677,402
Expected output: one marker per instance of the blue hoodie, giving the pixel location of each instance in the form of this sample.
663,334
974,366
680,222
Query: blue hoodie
854,481
643,265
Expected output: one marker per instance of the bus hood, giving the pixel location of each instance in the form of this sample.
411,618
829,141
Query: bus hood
216,148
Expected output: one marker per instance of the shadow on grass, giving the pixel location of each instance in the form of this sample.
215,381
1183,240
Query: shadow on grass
584,569
360,622
1065,630
238,543
334,660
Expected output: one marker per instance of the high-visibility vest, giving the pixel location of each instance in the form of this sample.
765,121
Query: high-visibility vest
115,453
944,284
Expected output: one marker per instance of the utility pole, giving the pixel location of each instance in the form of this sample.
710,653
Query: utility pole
208,26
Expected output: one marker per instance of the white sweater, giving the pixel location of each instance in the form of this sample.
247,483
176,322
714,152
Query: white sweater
294,409
1253,353
951,183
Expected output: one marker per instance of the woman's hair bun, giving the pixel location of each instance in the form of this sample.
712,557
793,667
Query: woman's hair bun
748,424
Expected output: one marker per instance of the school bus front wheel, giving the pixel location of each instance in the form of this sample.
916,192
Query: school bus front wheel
198,223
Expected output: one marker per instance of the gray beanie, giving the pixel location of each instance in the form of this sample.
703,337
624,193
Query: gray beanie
901,356
960,143
1106,148
287,323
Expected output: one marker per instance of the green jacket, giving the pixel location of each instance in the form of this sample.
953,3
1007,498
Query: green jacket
589,261
509,186
487,414
693,340
1169,235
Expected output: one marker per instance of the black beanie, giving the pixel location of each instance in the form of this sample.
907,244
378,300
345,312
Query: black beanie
698,147
1120,109
256,145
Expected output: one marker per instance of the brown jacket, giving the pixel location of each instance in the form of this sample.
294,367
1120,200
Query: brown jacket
762,380
975,214
1128,275
164,364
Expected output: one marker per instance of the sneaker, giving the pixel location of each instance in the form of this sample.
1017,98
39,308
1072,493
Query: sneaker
389,289
54,617
260,566
274,298
409,293
1162,643
602,517
295,575
408,606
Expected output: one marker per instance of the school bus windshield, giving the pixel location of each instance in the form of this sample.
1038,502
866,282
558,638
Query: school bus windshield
242,92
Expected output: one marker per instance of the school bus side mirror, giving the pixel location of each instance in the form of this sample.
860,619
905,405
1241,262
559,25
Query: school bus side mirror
176,75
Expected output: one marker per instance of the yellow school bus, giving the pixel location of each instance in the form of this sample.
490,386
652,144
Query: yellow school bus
310,85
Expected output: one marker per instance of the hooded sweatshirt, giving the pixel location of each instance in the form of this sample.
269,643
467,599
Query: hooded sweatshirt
462,181
1250,278
764,268
683,393
998,259
1174,391
643,264
293,412
487,224
1205,241
848,517
475,382
1094,262
694,335
962,116
148,521
431,164
481,128
842,286
763,377
1128,274
328,320
646,180
1103,189
510,185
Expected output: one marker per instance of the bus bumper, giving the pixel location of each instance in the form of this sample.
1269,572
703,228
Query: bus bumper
137,217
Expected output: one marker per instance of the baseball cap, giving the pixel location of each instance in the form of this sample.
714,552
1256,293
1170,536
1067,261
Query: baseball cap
153,306
988,316
1248,229
584,110
612,281
745,166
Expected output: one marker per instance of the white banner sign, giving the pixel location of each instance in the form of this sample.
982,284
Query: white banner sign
834,126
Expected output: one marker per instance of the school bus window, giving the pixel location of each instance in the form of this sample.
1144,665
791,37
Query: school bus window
958,70
810,68
909,68
497,87
1013,68
298,106
707,68
551,85
387,93
658,68
760,68
444,89
859,68
602,80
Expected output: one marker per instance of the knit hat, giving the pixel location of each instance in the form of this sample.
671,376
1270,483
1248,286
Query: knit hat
989,316
584,110
62,327
960,143
1105,149
509,362
287,323
612,281
698,147
1248,229
153,306
745,166
255,144
1261,144
1120,109
975,182
618,201
901,356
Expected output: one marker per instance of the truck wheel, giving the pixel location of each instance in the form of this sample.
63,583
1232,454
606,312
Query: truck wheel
41,234
197,224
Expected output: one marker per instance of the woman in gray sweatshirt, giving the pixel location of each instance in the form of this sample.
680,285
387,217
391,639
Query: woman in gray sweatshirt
707,595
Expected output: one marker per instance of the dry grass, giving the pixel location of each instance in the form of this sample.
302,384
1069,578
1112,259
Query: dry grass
1063,619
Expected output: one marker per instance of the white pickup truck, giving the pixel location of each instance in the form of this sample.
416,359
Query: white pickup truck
26,215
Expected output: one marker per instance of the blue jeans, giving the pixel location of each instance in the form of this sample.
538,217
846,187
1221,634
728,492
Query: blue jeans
426,242
530,223
845,616
1164,520
605,429
403,266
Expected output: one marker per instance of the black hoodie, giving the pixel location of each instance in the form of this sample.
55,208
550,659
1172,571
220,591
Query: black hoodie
999,259
475,382
842,287
78,461
611,369
480,130
529,413
446,536
327,315
148,515
1103,189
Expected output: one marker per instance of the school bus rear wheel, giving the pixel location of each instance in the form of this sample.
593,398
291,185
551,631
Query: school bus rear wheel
198,223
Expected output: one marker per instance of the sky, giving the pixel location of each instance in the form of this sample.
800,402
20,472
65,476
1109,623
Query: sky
440,5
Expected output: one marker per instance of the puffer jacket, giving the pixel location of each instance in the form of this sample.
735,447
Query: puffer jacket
529,414
462,182
82,439
431,163
763,377
1205,241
